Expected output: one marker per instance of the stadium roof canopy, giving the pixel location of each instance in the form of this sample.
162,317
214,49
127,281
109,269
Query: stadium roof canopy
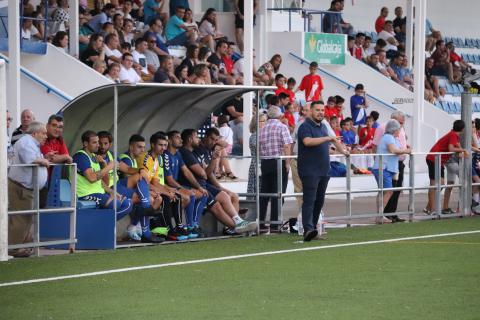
144,108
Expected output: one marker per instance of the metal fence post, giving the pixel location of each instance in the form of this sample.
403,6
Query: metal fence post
73,203
438,189
411,192
36,206
349,190
380,181
467,144
279,190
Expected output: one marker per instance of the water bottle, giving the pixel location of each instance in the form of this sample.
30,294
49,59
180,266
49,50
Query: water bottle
300,224
321,226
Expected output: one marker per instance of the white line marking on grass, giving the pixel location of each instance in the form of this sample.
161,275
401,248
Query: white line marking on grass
241,256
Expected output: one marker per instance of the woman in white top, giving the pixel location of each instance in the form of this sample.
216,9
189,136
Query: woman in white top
208,29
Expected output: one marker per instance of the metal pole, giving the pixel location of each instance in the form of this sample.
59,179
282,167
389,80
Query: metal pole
409,41
3,169
419,73
438,189
247,74
257,165
349,189
74,28
380,181
36,206
73,203
115,153
289,20
467,144
14,65
279,192
411,192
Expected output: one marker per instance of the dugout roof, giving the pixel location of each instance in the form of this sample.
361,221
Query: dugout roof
144,108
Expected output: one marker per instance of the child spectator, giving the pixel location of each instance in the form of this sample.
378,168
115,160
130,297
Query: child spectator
375,115
358,104
351,45
335,124
312,84
289,116
339,100
366,133
280,83
291,82
330,109
226,140
348,136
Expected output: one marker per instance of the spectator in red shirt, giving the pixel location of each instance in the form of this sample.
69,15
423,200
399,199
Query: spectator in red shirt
339,100
448,143
459,65
358,51
312,84
330,109
381,19
366,133
289,116
291,82
227,58
335,124
54,148
280,83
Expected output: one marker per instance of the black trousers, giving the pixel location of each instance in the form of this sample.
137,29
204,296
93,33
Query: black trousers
393,202
269,184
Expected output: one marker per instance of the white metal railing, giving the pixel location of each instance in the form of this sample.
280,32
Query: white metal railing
464,179
36,211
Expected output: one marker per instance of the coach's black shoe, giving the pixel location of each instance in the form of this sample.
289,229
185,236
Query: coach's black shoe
309,235
397,219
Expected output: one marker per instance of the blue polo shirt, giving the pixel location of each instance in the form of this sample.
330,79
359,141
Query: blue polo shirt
172,30
313,161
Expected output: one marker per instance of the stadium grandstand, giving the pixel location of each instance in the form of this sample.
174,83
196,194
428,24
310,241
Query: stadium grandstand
158,152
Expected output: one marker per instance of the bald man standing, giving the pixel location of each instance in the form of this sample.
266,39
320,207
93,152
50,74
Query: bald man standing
27,117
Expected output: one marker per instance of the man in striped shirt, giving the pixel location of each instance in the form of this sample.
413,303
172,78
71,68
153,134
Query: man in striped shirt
275,141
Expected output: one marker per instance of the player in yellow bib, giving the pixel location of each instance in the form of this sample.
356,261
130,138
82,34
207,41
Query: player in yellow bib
90,174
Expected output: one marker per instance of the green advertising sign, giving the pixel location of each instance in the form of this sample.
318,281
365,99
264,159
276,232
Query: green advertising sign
325,48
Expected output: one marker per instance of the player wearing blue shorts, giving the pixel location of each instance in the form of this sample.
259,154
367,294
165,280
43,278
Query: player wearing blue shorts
219,202
174,165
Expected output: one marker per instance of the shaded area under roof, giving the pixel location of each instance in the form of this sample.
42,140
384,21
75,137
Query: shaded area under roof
144,109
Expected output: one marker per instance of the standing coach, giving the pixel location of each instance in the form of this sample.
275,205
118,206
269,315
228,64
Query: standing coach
314,165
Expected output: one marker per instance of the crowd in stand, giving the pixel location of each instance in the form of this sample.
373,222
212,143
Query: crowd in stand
146,43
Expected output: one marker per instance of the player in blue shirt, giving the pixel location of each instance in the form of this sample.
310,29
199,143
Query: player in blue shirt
223,210
198,195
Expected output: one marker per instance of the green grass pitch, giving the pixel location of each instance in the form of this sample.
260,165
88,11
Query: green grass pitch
437,278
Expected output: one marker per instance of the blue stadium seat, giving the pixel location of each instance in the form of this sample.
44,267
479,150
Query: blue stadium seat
476,107
374,36
444,106
458,107
449,88
65,197
461,89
